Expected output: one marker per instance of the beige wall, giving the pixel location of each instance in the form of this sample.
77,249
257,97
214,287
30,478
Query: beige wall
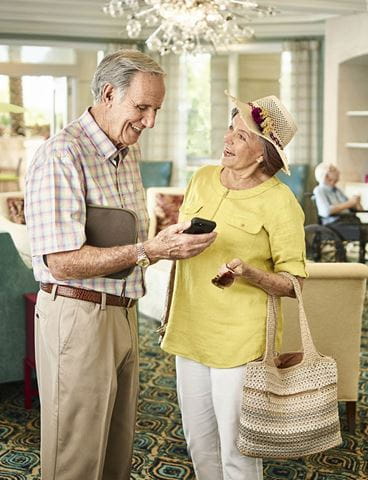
353,95
346,89
86,66
259,76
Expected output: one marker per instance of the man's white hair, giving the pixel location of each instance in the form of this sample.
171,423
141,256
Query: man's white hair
322,170
119,68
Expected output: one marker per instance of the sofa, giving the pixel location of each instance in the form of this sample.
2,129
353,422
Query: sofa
297,180
16,279
155,173
333,296
18,231
163,205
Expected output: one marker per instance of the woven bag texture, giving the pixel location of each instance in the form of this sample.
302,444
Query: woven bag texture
289,412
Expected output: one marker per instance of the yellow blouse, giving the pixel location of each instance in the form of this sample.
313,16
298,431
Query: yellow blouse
264,227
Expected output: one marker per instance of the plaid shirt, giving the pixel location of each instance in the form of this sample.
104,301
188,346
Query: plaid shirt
75,167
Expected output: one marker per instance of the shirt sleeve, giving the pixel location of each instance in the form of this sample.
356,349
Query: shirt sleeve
322,202
287,241
55,206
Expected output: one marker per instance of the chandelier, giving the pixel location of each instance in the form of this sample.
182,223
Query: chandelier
191,26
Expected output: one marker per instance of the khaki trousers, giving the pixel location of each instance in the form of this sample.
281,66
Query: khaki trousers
87,372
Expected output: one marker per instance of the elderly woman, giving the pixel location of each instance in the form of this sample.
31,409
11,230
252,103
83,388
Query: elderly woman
214,332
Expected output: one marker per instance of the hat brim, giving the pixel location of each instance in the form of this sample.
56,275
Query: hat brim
246,115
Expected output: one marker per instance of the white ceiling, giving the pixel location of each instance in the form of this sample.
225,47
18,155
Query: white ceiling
84,20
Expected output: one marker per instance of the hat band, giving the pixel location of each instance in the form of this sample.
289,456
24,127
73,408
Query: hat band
264,122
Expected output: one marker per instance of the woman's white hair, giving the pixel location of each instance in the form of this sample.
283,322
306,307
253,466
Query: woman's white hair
119,68
321,171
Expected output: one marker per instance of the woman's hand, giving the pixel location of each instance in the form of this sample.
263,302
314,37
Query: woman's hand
236,266
228,272
271,283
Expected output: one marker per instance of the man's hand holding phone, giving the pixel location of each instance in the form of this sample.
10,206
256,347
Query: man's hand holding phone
171,244
200,225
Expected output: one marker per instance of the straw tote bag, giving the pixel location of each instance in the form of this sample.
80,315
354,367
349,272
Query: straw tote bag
289,405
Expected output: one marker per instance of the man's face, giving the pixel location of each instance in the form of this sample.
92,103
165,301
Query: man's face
126,118
333,174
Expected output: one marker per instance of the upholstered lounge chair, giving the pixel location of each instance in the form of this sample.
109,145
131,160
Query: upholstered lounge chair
334,297
17,231
15,280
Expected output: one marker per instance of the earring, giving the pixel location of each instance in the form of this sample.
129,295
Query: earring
259,159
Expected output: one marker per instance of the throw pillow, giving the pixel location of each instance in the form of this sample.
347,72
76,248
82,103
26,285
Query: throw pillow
16,209
167,209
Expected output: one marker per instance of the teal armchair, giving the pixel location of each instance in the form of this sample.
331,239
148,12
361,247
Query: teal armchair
155,174
297,181
15,280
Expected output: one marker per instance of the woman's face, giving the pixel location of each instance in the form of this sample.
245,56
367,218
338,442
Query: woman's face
242,147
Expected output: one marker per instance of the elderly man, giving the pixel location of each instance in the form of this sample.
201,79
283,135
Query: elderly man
330,200
86,330
337,210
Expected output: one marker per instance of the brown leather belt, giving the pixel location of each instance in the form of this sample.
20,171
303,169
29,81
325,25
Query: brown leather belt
88,295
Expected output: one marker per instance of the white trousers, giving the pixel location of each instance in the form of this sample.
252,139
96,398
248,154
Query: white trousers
209,399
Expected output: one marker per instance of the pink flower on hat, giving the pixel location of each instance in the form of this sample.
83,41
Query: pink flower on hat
257,114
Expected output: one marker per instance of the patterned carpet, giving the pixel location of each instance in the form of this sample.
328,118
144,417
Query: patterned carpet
160,451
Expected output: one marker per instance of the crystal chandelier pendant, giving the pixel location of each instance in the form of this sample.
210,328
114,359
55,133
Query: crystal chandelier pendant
188,26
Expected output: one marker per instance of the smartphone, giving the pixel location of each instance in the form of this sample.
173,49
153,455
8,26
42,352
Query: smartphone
200,225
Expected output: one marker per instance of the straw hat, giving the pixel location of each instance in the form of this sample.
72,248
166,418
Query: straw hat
268,118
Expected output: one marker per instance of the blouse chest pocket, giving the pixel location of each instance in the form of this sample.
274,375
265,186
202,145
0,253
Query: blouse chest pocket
247,223
187,212
244,229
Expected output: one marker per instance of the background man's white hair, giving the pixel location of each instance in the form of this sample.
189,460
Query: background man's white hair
322,170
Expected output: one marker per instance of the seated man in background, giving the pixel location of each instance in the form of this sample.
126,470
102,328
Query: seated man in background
337,210
332,203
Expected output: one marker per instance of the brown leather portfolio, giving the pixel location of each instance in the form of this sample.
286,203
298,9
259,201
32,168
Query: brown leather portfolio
110,227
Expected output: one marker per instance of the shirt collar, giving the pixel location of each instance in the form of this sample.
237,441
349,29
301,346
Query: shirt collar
330,187
119,155
243,193
104,146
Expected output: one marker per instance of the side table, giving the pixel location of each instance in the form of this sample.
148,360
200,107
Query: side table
29,362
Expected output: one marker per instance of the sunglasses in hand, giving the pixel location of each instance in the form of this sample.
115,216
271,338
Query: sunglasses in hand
225,279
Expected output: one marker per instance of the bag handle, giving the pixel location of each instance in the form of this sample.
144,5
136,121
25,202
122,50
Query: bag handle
309,349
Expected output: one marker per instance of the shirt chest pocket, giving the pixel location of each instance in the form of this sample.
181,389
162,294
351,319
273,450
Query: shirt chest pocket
187,212
244,229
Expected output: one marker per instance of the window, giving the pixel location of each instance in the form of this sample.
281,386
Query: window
37,55
4,53
44,114
4,98
199,108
